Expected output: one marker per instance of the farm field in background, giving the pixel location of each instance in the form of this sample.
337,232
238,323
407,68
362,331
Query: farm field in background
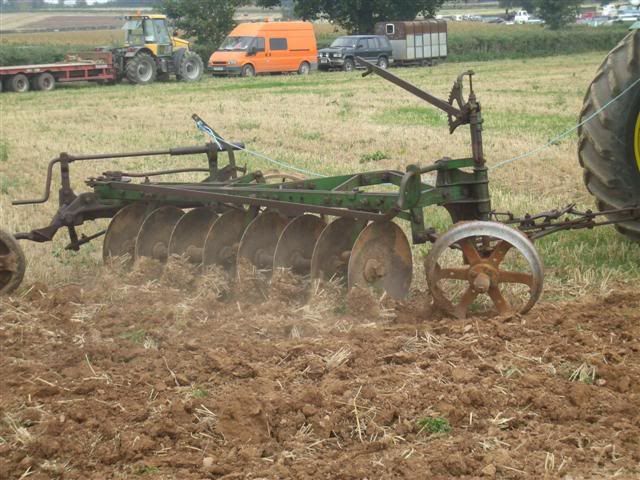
172,374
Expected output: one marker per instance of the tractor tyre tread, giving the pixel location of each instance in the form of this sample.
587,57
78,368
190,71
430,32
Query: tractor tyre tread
131,69
182,73
605,147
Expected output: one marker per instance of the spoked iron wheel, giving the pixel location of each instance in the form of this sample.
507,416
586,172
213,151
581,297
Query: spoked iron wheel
481,266
12,263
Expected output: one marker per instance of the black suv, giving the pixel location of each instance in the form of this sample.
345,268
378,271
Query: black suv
342,52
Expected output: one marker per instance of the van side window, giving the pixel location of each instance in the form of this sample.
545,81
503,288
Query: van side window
373,44
259,43
391,29
278,43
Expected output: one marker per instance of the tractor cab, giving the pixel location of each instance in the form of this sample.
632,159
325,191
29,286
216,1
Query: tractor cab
152,32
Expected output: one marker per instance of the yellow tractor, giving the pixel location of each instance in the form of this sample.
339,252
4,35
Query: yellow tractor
609,146
150,52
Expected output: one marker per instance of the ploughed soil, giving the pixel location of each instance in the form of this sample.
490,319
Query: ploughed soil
149,375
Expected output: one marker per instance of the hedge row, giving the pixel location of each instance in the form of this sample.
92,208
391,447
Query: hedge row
516,43
463,46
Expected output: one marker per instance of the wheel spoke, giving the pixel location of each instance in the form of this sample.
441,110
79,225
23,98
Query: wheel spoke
452,273
501,303
460,310
470,251
501,250
515,277
8,263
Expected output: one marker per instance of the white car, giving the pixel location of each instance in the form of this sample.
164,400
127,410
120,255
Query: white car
522,17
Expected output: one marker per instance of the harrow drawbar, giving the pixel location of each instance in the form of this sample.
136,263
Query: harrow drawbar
357,227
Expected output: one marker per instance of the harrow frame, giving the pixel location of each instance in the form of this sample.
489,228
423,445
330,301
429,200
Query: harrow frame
461,186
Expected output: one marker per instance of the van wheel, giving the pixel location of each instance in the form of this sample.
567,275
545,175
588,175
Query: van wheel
248,71
304,69
18,83
348,65
383,63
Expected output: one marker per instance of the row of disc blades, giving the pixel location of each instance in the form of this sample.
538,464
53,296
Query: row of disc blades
374,255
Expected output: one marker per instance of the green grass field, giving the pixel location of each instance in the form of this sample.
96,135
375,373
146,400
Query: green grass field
327,123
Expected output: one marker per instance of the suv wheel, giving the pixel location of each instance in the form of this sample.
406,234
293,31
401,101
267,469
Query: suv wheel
383,63
348,65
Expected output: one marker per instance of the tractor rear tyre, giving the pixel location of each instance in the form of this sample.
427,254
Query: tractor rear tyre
141,69
190,68
609,146
12,263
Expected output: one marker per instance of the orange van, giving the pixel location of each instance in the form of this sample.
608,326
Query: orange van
266,47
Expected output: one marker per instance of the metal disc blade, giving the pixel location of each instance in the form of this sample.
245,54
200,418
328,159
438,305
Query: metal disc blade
190,232
155,233
258,243
223,238
381,259
332,250
120,239
295,246
12,263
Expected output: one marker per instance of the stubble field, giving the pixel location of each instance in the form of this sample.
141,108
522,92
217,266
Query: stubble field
171,375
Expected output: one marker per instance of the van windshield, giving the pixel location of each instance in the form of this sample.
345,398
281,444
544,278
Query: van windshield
344,42
236,43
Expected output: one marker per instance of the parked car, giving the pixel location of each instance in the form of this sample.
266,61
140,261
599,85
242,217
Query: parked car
628,15
342,52
521,17
266,47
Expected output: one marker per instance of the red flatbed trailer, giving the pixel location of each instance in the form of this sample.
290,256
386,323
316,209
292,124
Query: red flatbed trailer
84,67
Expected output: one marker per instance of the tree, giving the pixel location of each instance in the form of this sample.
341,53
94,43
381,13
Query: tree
359,16
206,21
558,13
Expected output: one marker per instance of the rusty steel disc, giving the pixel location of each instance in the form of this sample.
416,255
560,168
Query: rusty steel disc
295,245
333,248
258,243
222,240
120,239
381,259
190,232
12,263
155,233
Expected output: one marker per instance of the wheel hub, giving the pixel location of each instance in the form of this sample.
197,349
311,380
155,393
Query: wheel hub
482,276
